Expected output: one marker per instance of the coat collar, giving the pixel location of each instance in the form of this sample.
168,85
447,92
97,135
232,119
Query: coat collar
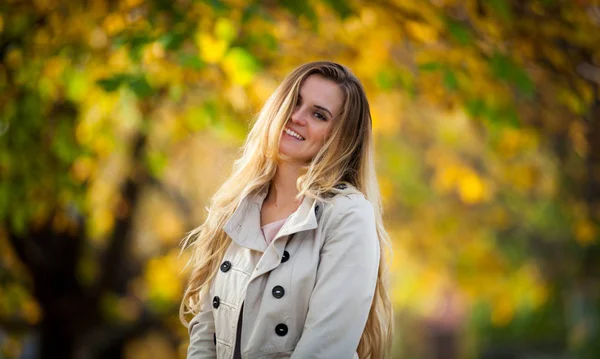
243,227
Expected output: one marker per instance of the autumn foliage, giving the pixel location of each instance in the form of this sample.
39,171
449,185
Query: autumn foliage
118,119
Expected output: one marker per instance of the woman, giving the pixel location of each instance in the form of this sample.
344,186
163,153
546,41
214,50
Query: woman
290,260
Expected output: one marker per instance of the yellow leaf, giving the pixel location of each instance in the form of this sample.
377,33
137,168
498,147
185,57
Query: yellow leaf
261,88
577,134
31,311
503,311
132,3
97,38
102,222
240,66
471,188
585,232
113,23
152,345
212,49
225,29
82,168
446,177
163,277
422,32
387,113
386,188
14,58
237,97
169,227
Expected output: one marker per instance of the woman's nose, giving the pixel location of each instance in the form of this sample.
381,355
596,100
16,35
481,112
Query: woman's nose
298,116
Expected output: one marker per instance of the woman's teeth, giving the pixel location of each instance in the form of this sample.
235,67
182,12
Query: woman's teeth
293,134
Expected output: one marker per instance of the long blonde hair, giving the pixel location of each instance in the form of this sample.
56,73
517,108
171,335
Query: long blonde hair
346,156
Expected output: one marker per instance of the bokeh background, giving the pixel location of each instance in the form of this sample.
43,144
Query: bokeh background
119,119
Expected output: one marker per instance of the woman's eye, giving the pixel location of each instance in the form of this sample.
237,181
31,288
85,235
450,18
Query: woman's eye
320,116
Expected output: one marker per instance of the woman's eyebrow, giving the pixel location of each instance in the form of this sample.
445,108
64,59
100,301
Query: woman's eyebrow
324,109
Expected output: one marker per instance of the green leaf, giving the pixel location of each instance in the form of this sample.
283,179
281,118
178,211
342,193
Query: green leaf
191,61
111,84
301,9
506,69
19,219
510,117
140,87
156,162
241,66
250,12
450,81
225,30
499,65
430,66
218,6
475,107
460,32
502,8
340,7
384,80
77,84
524,83
171,40
504,116
136,45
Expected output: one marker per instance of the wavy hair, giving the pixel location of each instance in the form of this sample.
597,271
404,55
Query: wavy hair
347,156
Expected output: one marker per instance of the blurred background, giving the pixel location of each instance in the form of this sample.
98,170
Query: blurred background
119,119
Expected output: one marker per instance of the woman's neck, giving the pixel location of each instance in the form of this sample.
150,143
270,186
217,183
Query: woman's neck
283,190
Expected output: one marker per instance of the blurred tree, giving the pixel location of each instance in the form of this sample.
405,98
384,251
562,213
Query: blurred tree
493,195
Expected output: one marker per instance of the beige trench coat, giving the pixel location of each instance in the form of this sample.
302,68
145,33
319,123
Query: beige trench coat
306,295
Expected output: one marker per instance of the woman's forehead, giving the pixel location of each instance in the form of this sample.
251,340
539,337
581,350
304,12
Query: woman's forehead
322,91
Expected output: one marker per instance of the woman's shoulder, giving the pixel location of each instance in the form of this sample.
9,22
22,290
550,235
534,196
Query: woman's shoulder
352,216
349,201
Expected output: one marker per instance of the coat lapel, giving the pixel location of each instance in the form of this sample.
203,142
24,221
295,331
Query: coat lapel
244,225
244,229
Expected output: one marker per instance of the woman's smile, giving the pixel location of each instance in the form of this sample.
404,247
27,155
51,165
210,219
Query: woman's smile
293,134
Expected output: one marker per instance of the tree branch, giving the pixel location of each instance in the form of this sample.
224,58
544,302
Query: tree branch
117,254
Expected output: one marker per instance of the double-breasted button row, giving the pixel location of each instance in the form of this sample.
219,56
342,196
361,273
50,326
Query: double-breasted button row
225,267
278,292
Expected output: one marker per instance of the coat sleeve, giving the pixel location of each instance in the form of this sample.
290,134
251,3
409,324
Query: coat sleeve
345,285
202,331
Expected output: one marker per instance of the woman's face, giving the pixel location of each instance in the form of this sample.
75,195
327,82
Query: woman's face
319,103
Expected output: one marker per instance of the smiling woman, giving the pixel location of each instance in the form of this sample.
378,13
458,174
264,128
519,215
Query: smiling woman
290,261
305,133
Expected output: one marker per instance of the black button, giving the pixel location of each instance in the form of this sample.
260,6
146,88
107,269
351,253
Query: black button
225,266
216,302
341,186
278,291
281,329
316,210
215,338
286,256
